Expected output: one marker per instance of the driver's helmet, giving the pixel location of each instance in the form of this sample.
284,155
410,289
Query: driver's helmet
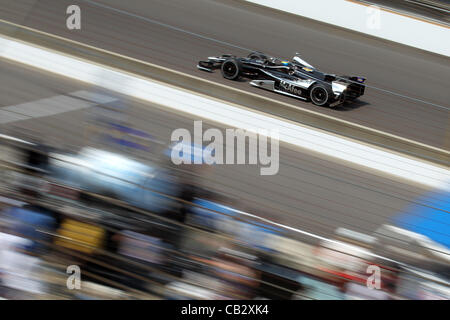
284,63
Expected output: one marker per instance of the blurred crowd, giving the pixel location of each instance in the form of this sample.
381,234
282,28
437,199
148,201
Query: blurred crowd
136,228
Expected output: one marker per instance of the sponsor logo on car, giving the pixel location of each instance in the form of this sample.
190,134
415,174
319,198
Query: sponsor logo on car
290,88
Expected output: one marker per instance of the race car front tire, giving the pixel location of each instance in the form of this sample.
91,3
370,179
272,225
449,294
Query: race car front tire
320,95
231,69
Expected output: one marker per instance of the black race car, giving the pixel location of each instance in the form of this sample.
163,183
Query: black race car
295,78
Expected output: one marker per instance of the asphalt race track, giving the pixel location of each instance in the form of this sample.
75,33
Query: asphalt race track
409,94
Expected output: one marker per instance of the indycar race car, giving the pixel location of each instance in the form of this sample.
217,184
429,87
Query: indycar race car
295,78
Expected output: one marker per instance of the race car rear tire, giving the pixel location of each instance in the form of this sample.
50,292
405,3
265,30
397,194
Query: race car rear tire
231,69
320,95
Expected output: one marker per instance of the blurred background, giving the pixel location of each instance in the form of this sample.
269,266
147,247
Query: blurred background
139,227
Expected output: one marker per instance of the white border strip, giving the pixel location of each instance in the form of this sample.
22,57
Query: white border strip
230,115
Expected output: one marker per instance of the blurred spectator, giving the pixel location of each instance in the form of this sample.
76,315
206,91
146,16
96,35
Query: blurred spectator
35,223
